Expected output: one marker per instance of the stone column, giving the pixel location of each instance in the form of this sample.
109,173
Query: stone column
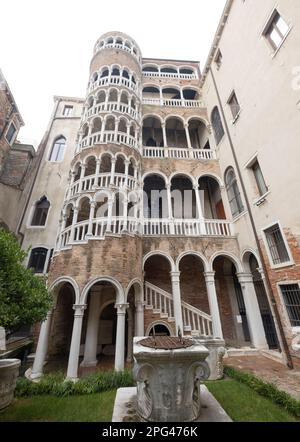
75,216
163,127
42,347
125,214
139,319
130,324
110,202
72,373
213,304
175,277
199,211
91,340
120,338
126,172
92,216
187,133
113,168
256,328
98,163
170,210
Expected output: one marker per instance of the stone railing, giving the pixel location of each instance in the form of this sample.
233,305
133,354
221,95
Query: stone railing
113,107
170,75
179,153
98,228
173,102
113,80
194,320
92,183
107,137
118,46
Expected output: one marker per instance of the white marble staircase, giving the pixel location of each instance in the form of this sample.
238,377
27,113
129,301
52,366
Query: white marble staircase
195,322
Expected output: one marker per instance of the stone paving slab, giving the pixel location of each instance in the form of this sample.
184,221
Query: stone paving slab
269,371
125,407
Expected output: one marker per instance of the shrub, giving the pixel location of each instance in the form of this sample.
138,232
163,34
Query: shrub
55,385
266,389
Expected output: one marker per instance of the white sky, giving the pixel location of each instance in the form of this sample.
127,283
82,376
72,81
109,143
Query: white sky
46,45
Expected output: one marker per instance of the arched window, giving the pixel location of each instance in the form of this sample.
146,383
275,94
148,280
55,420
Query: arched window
233,192
57,151
40,212
37,259
217,125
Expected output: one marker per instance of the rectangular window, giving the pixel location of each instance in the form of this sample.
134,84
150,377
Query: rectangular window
67,111
234,105
276,244
261,185
276,30
218,59
291,297
11,132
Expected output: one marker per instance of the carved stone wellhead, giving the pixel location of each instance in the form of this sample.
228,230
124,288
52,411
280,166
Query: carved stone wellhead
168,379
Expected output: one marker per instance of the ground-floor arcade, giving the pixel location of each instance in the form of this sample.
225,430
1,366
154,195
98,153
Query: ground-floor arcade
216,297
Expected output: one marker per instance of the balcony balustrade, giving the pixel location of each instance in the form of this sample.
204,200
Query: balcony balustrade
179,153
173,102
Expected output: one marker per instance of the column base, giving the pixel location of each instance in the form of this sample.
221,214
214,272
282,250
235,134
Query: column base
89,363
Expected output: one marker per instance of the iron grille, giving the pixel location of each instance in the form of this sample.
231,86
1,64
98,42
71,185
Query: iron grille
276,245
291,296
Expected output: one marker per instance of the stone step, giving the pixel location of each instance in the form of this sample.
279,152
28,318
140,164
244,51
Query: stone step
275,355
148,307
243,351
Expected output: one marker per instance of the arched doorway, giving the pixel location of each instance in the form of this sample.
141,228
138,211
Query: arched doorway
264,307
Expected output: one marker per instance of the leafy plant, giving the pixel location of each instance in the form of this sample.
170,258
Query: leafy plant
24,298
56,386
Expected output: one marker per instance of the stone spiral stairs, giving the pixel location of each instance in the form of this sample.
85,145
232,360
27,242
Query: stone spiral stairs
195,322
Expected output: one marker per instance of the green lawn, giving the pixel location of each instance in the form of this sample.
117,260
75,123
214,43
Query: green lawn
244,405
90,408
240,402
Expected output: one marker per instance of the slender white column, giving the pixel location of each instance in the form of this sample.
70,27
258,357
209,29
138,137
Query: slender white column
117,121
98,163
256,328
61,229
129,335
175,277
110,202
170,209
92,216
200,215
112,173
120,338
72,372
125,214
163,126
139,319
213,304
75,216
126,172
187,133
91,340
42,347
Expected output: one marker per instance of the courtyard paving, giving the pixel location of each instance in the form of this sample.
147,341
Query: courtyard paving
270,371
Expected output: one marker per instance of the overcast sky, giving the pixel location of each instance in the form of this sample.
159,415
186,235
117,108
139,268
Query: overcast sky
46,46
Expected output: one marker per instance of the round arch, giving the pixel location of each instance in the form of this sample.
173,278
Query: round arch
160,253
212,175
185,175
67,279
154,172
133,283
164,324
245,258
193,253
228,255
120,296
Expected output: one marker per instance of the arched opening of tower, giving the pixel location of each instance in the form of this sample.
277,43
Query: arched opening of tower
211,198
183,198
155,197
176,135
198,133
152,132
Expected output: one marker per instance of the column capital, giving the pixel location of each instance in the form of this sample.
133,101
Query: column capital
121,308
79,309
186,125
245,278
196,187
113,161
210,276
262,273
175,276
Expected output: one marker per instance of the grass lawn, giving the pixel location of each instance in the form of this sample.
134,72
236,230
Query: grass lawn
244,405
89,408
240,402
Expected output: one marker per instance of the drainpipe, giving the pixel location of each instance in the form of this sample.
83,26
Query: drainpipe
285,347
41,155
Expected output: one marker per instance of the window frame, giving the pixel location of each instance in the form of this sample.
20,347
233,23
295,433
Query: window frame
217,141
264,236
249,166
32,213
266,34
14,136
232,106
70,108
54,142
295,329
47,258
242,208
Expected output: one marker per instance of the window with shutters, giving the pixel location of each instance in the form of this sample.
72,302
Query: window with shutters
233,192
